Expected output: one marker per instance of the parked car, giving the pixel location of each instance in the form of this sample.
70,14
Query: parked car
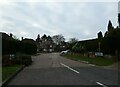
65,52
100,54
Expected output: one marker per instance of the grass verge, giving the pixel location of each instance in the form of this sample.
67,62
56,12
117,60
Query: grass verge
100,61
9,70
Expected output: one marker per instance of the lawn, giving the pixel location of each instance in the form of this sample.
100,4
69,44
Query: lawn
9,70
100,61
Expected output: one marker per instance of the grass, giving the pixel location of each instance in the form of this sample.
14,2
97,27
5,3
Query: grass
100,61
9,70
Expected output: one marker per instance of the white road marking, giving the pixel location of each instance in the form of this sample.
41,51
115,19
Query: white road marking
101,84
69,68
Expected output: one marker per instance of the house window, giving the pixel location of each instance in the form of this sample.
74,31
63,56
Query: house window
50,45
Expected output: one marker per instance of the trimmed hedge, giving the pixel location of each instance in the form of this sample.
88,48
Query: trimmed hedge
13,46
21,59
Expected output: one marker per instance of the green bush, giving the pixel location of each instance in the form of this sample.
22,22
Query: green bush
26,60
13,46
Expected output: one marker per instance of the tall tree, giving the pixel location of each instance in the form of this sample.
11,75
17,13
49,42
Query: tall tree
58,39
119,18
38,38
73,40
110,27
100,35
44,37
49,38
106,33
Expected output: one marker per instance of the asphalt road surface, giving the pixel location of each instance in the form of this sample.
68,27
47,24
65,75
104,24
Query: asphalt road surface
52,69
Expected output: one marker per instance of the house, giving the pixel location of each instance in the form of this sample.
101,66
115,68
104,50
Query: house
45,43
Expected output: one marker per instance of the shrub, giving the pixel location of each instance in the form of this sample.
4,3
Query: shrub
26,60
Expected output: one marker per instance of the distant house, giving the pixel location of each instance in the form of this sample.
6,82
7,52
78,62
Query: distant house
27,40
63,46
6,36
44,44
8,46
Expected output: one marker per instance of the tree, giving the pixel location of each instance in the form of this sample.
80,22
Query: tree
58,39
100,35
110,27
44,37
49,38
38,36
73,40
106,33
119,18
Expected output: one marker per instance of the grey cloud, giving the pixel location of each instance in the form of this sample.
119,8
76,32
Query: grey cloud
79,20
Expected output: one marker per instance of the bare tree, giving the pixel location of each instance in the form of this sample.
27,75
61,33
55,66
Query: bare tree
73,40
58,39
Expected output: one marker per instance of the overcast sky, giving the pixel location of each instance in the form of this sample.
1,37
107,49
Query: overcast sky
82,20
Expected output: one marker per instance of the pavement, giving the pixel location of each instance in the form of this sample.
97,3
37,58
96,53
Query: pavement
114,66
52,69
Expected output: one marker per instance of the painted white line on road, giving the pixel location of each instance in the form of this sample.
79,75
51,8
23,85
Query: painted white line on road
101,84
69,68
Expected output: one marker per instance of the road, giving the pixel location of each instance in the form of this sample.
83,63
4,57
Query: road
52,69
